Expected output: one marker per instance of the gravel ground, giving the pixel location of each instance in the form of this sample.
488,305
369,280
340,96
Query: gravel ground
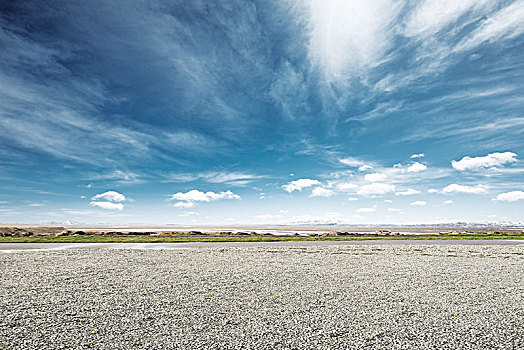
314,297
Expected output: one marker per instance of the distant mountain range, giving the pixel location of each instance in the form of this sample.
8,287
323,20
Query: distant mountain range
460,224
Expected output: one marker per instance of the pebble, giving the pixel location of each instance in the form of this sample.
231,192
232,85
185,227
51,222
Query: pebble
323,297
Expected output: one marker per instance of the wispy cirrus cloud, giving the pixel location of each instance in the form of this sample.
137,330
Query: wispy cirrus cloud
236,92
231,178
322,192
456,188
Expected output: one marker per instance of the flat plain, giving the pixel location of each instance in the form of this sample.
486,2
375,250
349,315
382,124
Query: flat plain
272,296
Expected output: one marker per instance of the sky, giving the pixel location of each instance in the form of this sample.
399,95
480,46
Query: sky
262,112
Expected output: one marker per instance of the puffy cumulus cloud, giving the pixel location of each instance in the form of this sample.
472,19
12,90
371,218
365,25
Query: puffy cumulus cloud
321,192
187,199
416,167
512,196
108,205
491,160
111,196
300,184
107,200
374,177
346,186
418,203
465,189
418,155
352,199
222,195
432,190
408,192
198,196
375,189
366,210
449,201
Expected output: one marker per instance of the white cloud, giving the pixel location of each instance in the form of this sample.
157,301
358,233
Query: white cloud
356,163
491,160
352,162
512,196
184,204
431,16
375,189
283,211
465,189
373,177
123,177
108,205
507,23
418,155
416,167
231,178
300,184
187,199
198,196
352,199
192,195
449,201
111,196
366,210
394,210
222,195
345,186
348,36
36,205
321,192
365,167
432,190
418,203
408,192
388,201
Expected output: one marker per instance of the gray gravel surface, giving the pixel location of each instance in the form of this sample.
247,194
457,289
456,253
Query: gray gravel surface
314,297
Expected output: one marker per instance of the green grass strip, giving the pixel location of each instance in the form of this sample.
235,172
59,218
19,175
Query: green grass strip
233,238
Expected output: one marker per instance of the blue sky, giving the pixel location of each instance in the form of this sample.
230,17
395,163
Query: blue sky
244,112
